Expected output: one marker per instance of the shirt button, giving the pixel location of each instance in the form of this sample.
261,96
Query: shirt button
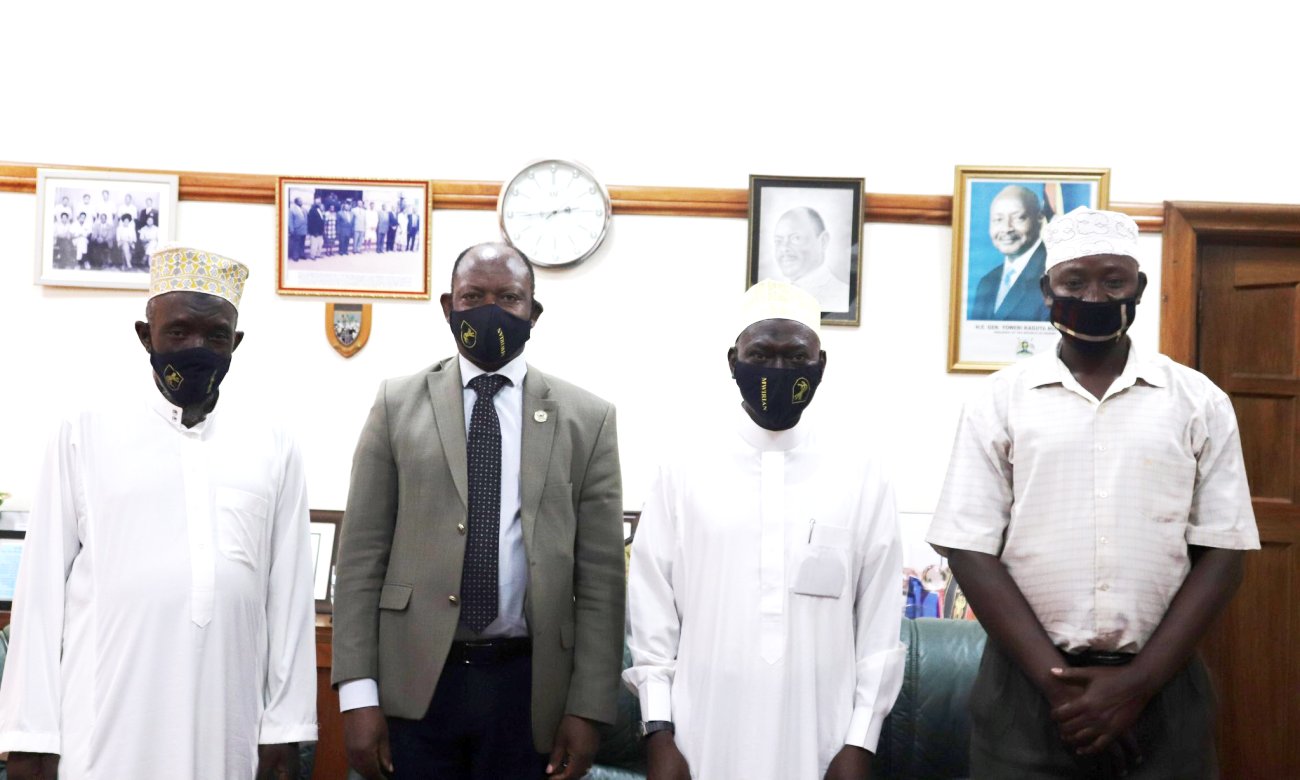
1101,448
1104,586
452,598
1103,494
1103,540
460,527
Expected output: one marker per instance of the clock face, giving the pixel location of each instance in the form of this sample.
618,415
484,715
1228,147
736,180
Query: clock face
555,212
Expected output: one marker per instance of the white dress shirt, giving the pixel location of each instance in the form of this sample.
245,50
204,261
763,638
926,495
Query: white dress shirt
163,618
764,603
1091,504
512,558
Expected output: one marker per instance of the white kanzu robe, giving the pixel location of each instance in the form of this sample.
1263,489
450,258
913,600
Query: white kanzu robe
765,604
172,566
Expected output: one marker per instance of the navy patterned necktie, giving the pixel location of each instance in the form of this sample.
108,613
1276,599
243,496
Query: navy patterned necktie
478,579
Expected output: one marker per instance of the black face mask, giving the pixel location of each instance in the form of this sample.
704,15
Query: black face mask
190,375
777,395
1093,321
489,333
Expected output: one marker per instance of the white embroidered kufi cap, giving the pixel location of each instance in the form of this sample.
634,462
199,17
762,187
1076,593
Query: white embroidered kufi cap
1085,232
773,300
186,269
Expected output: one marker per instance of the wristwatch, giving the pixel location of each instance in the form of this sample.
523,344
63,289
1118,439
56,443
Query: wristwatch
651,726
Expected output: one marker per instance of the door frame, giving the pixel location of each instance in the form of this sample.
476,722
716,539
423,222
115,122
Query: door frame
1186,223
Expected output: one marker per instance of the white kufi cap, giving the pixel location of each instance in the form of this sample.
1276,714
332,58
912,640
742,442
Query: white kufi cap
1085,232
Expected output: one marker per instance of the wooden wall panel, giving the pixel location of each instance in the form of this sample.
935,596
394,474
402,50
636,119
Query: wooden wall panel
657,201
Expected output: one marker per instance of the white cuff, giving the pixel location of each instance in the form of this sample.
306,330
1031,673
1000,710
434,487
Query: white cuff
30,742
355,694
656,700
280,735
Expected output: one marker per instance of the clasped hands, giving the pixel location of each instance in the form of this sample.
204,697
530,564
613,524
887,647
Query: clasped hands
1095,708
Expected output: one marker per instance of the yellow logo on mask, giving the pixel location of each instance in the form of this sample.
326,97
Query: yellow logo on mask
172,378
468,336
799,394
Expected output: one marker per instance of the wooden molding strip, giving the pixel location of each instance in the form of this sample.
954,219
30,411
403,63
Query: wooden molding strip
654,201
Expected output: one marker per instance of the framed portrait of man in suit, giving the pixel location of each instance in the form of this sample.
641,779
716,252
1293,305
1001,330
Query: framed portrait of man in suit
808,231
998,215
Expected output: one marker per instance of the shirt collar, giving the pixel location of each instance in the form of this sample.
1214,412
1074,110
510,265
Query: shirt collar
173,413
1054,371
764,440
514,370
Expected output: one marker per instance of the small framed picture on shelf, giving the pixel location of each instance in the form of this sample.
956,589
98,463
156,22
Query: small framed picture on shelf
11,553
324,552
98,228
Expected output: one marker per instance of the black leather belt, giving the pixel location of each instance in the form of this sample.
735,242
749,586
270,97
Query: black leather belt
1098,658
483,652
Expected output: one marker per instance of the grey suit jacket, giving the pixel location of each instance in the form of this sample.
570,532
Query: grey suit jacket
401,550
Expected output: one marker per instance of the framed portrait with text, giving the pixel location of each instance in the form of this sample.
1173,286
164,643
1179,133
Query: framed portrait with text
998,214
808,231
98,228
356,238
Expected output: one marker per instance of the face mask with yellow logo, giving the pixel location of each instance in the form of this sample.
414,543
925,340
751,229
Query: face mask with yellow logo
189,376
489,334
777,396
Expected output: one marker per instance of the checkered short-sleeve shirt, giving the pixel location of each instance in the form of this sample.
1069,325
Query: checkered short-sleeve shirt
1091,505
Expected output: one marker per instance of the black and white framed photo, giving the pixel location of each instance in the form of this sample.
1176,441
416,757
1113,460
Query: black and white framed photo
998,215
357,238
97,228
808,231
324,552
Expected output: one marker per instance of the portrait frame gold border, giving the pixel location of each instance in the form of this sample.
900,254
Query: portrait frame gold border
281,235
957,315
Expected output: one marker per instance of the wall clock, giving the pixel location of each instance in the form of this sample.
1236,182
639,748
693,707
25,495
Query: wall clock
555,212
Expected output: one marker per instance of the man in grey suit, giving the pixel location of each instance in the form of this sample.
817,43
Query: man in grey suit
478,613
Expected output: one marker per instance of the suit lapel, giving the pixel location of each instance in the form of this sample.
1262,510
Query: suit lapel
447,396
1025,291
539,421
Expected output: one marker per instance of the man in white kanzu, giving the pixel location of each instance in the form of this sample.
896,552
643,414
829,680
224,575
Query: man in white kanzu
163,618
763,592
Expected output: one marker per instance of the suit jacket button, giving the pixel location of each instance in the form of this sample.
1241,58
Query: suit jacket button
452,598
460,527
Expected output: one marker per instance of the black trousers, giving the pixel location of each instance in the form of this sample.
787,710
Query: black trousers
478,727
1013,734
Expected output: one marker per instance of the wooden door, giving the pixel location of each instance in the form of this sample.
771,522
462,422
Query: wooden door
1247,340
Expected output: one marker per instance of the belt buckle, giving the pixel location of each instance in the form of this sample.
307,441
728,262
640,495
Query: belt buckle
470,646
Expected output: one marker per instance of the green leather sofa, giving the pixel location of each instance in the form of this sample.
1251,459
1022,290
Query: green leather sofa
926,736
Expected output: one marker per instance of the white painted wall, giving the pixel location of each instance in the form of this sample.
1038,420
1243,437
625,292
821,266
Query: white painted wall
1178,102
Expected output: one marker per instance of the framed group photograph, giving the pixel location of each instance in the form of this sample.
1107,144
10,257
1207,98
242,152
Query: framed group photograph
998,257
808,231
359,238
98,228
